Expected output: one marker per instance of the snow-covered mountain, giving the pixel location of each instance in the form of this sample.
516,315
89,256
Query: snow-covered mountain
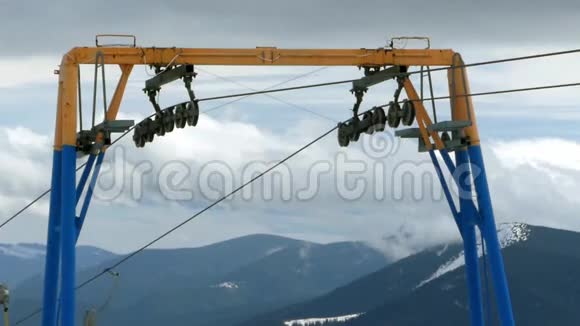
22,250
508,234
220,284
329,284
429,288
21,261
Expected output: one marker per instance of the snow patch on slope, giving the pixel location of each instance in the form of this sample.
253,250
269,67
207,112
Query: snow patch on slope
442,251
321,321
227,285
508,234
23,250
274,250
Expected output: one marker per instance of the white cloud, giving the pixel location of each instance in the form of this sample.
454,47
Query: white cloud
531,181
28,70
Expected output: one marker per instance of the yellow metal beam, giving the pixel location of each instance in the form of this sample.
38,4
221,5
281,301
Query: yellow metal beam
119,91
461,103
260,56
67,106
264,56
422,117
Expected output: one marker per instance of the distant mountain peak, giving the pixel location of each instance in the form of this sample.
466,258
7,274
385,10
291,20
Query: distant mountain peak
511,233
321,320
508,234
23,250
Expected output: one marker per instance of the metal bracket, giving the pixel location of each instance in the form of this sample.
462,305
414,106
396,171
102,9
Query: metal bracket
359,93
407,38
169,75
130,45
89,141
152,94
373,78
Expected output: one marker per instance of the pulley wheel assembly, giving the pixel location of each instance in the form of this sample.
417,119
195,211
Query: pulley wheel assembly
343,137
394,115
138,136
192,113
379,119
149,129
368,119
180,116
355,135
408,114
159,126
168,120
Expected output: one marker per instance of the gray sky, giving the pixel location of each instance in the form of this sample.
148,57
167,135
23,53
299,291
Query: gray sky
530,140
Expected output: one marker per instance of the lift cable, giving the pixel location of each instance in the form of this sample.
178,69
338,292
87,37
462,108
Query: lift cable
325,134
265,91
515,90
173,229
511,59
273,97
33,202
505,91
475,64
277,90
150,116
276,85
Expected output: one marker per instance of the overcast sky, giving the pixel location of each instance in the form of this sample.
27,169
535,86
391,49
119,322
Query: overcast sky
531,140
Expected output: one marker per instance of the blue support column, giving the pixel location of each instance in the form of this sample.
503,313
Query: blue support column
445,187
489,231
68,236
85,176
86,202
52,260
469,216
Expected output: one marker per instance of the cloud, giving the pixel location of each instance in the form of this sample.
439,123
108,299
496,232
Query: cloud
323,23
530,182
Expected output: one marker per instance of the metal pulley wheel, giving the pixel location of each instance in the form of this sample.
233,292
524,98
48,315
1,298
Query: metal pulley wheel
139,136
192,111
149,129
379,119
168,120
342,133
158,124
394,115
354,126
408,115
368,118
180,116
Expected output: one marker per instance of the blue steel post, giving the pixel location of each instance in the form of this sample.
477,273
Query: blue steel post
68,203
52,260
86,202
85,176
489,231
446,190
468,218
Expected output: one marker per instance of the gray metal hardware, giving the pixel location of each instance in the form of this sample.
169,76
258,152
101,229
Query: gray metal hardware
169,75
408,133
376,78
449,125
